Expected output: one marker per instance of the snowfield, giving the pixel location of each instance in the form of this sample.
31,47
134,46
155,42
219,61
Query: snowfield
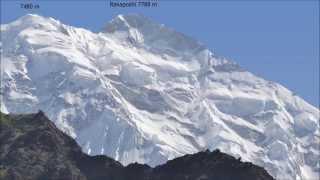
142,92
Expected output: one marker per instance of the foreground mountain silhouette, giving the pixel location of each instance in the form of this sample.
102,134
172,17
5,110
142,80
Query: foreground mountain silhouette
32,147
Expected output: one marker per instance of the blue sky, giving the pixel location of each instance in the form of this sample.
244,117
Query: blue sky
277,40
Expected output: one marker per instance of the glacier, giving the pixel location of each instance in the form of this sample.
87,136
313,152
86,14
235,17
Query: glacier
139,91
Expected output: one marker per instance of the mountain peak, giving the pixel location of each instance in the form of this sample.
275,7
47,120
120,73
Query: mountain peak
32,20
125,22
142,31
30,16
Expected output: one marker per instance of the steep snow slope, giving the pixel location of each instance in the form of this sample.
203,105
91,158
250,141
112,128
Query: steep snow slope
140,91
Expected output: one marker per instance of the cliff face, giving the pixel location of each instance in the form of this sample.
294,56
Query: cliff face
31,147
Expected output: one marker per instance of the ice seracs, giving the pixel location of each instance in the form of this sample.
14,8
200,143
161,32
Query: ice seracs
139,91
136,74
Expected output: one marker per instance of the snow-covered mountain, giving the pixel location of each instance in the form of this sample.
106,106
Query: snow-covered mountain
140,91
